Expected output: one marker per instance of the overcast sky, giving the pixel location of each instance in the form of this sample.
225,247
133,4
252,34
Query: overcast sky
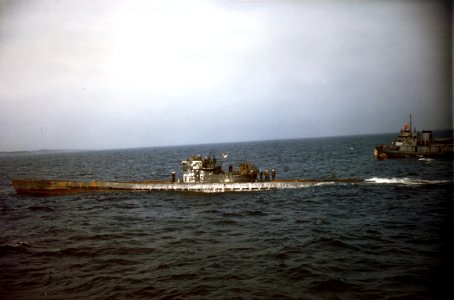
118,74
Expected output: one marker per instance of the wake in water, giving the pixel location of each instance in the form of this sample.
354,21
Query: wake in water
427,159
405,181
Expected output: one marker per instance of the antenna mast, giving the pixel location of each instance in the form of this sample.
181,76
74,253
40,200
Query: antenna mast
411,125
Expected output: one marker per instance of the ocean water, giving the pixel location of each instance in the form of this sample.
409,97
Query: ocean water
390,237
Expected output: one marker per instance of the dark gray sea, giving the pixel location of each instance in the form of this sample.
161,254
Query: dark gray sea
390,237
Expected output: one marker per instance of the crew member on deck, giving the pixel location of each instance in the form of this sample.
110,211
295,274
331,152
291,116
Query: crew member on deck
273,174
267,175
173,177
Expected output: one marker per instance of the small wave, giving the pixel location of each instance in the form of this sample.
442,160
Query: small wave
41,208
232,215
404,181
324,183
178,277
332,285
256,213
225,222
21,247
95,251
118,261
334,243
426,159
303,271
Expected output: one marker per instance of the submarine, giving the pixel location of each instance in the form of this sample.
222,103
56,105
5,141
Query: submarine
200,174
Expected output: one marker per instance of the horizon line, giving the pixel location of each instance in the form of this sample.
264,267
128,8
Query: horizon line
44,150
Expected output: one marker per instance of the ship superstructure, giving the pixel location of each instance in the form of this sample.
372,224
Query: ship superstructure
198,169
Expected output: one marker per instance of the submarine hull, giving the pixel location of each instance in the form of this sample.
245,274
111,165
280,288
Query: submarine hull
60,187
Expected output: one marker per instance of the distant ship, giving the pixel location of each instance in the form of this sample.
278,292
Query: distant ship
415,144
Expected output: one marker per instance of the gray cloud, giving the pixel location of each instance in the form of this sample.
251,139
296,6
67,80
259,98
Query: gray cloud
112,74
